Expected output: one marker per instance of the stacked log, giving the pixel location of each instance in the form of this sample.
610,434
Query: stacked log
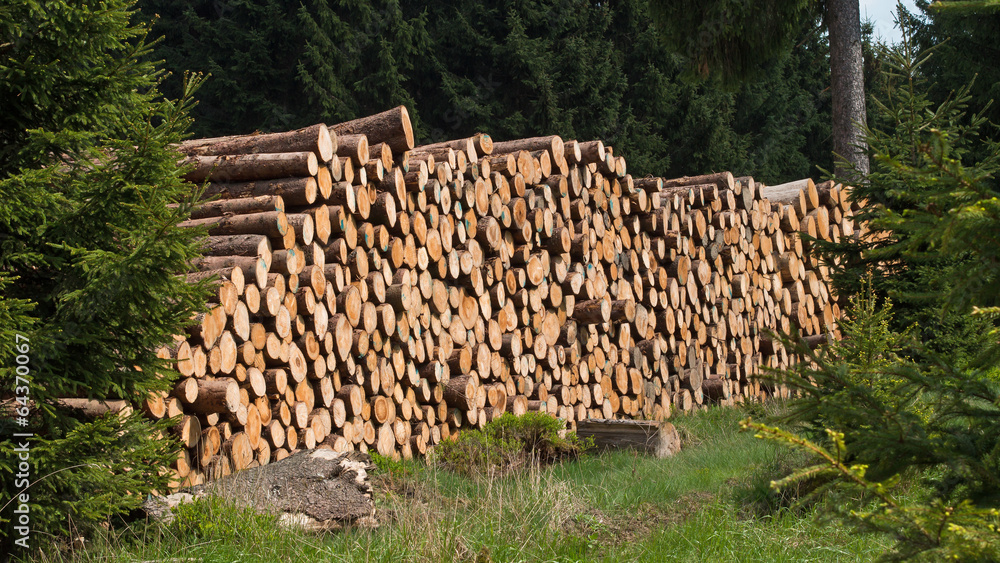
376,295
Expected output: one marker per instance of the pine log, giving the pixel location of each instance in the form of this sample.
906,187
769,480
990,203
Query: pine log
91,408
293,191
659,439
258,246
391,127
239,206
315,138
553,144
214,396
354,147
237,168
724,180
271,223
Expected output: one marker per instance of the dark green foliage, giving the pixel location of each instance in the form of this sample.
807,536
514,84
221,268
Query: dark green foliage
509,443
878,409
920,147
785,114
882,405
89,251
923,528
883,400
775,128
90,474
965,48
586,71
278,65
511,69
730,38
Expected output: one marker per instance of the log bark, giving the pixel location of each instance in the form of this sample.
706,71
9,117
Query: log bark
316,139
243,167
293,191
391,127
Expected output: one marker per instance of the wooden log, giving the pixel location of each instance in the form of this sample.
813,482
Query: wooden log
315,138
592,152
799,194
238,245
354,147
293,191
590,312
272,223
461,391
724,180
391,127
382,153
659,439
239,451
552,143
239,206
215,396
91,408
472,146
243,167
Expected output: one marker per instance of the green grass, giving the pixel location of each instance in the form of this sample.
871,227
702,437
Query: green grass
710,502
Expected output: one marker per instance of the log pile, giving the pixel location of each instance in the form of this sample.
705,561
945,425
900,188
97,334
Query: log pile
376,295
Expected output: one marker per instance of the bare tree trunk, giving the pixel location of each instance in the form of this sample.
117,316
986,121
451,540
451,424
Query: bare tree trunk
848,85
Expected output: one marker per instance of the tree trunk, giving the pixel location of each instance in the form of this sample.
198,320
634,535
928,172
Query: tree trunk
316,138
391,127
848,86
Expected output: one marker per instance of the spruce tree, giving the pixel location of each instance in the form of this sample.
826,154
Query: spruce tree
914,273
954,34
90,257
911,395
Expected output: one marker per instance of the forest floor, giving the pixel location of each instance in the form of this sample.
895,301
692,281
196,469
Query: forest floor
710,502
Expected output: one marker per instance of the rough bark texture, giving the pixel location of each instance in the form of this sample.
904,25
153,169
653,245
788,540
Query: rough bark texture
391,127
848,85
316,489
316,138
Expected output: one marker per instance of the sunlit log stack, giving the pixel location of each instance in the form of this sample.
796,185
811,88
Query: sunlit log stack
376,295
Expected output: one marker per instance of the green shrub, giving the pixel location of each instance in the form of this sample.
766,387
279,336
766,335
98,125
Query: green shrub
508,443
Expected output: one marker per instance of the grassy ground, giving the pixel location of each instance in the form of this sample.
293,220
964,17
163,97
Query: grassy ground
708,503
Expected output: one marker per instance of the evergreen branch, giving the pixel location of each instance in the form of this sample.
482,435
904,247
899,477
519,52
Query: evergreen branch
43,478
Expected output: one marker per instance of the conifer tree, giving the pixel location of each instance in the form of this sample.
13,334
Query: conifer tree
900,401
954,34
90,257
732,39
909,125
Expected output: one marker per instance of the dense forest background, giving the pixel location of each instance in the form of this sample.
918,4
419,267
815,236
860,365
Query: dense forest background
520,68
512,69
